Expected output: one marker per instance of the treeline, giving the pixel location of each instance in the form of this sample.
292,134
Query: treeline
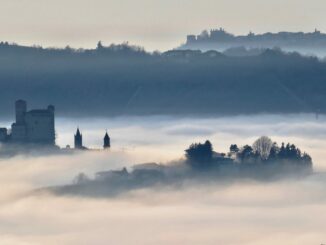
263,152
123,79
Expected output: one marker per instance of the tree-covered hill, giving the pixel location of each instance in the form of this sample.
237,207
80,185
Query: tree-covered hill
123,79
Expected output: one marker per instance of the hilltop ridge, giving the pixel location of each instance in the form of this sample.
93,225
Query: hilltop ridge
127,80
219,39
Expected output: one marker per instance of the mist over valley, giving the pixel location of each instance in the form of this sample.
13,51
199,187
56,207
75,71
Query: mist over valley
218,141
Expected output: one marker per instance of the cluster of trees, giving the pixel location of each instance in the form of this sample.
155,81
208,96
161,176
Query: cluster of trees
198,154
263,151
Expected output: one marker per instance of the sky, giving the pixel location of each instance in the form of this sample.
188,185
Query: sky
153,24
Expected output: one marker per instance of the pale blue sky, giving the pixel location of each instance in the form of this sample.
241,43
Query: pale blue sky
154,24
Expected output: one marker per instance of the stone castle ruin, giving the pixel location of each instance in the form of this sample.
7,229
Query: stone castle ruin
34,126
37,127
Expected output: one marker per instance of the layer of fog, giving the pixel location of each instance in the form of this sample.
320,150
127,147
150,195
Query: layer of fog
288,211
164,139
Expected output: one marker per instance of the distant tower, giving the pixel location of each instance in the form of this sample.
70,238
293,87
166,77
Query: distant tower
78,140
21,108
107,141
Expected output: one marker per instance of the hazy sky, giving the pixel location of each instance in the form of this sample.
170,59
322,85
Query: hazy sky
155,24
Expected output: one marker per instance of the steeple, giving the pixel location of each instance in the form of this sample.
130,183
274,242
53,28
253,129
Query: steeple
107,143
78,140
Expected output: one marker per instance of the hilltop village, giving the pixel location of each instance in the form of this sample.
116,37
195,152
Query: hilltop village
36,128
219,39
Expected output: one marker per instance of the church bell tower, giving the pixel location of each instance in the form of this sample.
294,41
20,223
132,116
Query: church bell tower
107,141
78,140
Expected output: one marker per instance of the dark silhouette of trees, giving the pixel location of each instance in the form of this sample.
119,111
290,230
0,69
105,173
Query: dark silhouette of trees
246,154
273,154
291,153
288,153
200,155
234,148
114,75
306,158
263,153
282,152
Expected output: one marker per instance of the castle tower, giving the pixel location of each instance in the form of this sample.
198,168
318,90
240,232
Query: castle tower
107,141
78,140
18,128
51,108
20,108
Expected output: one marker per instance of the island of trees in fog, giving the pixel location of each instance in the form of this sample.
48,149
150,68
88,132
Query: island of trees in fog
264,161
219,39
126,80
263,152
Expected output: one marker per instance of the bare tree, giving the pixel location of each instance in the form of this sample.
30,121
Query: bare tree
263,147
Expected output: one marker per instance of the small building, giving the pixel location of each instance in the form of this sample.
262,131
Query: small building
105,175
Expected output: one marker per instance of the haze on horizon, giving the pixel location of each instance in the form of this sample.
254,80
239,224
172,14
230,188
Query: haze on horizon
156,25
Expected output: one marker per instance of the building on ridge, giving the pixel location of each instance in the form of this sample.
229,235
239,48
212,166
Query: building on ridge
78,140
107,141
34,126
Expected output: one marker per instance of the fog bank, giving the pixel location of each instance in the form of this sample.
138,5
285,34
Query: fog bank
287,211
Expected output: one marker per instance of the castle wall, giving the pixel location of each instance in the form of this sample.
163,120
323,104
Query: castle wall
18,132
40,126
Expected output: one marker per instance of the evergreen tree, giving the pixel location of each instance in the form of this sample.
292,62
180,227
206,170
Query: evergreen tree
200,155
246,153
273,155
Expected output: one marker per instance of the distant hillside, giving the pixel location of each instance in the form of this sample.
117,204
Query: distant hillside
125,80
220,40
